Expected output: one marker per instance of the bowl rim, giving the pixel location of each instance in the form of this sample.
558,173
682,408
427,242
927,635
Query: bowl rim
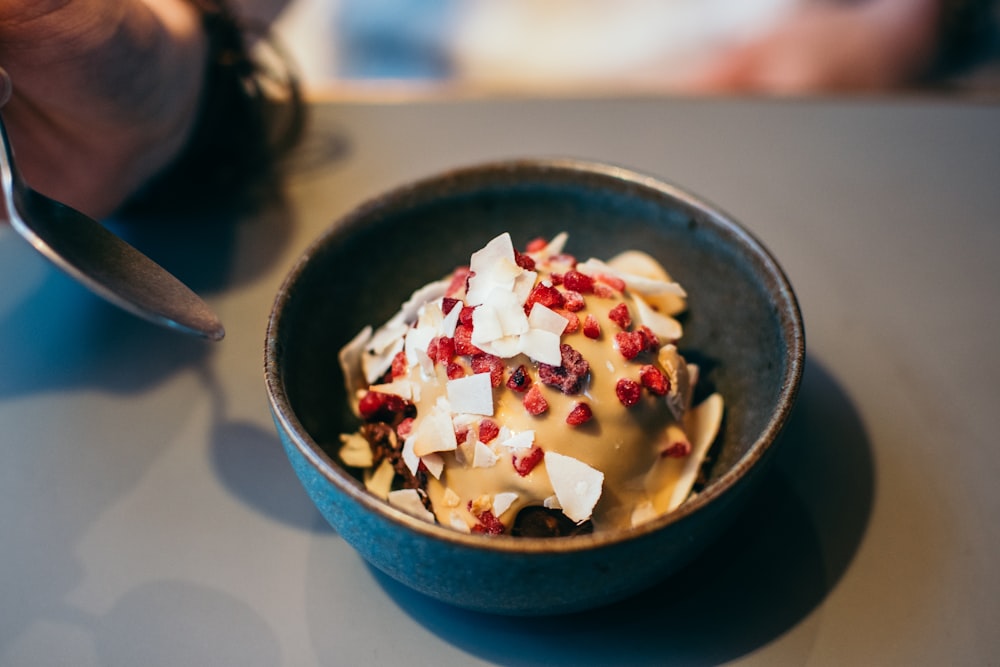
479,174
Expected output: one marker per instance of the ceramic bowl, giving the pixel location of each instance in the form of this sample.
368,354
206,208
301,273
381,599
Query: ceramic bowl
743,327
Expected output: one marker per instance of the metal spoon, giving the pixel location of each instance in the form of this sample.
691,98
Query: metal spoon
99,259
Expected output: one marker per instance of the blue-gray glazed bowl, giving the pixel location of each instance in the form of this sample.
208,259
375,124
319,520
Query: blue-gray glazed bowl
743,327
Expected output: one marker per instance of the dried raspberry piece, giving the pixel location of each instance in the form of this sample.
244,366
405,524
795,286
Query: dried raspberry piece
525,464
465,315
534,402
524,261
578,282
463,341
399,365
628,392
488,523
405,427
620,316
461,434
459,281
488,430
572,321
630,343
536,245
605,292
556,279
574,301
519,380
580,414
569,376
376,406
653,379
488,363
614,282
441,349
454,370
447,303
591,327
676,450
547,295
649,339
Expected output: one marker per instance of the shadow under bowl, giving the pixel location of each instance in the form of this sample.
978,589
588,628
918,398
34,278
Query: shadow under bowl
743,327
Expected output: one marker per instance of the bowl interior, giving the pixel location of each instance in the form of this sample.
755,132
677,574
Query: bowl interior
742,326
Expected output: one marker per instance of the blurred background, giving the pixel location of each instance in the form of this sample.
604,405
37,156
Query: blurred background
669,46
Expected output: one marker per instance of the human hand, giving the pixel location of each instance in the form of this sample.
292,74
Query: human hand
100,94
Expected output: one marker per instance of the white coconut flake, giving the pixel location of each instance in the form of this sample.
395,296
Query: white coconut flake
409,501
375,362
492,267
544,318
472,394
541,346
578,486
522,440
457,522
484,457
662,325
379,481
486,325
556,245
355,451
434,432
410,459
502,502
551,503
401,388
434,464
450,321
523,284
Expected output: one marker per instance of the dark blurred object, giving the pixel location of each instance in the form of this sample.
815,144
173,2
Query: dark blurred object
252,113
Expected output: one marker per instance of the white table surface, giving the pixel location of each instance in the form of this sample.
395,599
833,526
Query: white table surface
148,516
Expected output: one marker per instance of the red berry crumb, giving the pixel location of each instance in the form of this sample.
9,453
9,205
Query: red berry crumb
570,375
488,524
630,343
376,406
465,315
454,370
463,340
574,301
534,402
519,380
461,434
459,281
614,282
488,363
578,282
677,450
605,291
488,430
441,349
580,414
620,316
649,339
628,392
536,245
405,428
547,295
524,261
525,464
653,379
572,321
447,303
399,365
591,327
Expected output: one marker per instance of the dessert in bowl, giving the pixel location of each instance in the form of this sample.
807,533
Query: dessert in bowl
742,331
